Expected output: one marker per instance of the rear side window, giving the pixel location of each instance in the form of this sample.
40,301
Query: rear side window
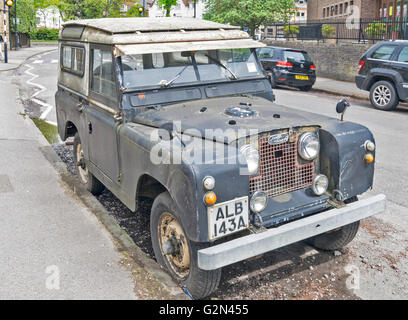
265,53
297,56
72,60
102,81
383,53
403,56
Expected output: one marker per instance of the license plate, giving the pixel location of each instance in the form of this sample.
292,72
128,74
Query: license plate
299,77
227,217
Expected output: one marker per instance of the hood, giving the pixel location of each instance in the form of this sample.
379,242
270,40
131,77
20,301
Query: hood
233,116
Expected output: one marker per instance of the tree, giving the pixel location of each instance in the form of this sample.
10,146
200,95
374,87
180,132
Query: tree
26,17
249,13
166,5
88,9
135,11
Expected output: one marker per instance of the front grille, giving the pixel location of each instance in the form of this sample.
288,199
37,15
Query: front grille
279,169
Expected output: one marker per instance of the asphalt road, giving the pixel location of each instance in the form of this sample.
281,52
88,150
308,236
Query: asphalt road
373,266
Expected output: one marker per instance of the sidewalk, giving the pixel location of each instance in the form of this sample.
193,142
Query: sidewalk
51,245
341,88
16,58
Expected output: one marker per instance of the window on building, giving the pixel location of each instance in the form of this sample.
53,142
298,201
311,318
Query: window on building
324,12
351,6
345,7
383,52
102,81
72,59
336,9
341,8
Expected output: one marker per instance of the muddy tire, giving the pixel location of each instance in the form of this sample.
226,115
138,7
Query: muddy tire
334,240
176,253
383,96
92,184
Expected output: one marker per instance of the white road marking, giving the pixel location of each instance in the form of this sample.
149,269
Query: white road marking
38,61
33,97
54,61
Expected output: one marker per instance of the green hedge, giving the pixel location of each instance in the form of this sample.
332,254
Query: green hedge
45,34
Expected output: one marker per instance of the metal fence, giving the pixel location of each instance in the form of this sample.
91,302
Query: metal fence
23,40
357,30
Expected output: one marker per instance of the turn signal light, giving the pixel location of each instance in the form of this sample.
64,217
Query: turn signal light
369,158
210,198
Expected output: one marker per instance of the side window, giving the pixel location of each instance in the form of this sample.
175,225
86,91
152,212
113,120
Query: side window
73,60
103,81
383,52
403,56
266,53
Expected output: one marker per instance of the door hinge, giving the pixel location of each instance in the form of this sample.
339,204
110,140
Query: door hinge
120,177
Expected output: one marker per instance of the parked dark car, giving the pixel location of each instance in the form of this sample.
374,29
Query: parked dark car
180,111
289,67
383,70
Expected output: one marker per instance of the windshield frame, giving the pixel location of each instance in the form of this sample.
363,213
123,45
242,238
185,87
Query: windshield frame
197,82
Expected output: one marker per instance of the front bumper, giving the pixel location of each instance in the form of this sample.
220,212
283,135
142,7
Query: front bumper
255,244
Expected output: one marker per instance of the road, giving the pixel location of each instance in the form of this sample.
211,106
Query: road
373,266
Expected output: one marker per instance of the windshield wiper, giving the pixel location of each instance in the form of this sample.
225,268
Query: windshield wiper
223,66
165,83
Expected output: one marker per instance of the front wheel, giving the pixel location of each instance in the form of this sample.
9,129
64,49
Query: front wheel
383,96
338,238
175,252
87,178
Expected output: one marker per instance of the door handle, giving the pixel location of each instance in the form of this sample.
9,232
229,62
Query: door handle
80,106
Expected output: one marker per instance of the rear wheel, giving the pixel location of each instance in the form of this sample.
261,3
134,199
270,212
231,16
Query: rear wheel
86,177
305,88
175,252
338,238
383,96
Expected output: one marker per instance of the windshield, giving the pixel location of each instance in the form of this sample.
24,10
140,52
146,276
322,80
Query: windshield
165,69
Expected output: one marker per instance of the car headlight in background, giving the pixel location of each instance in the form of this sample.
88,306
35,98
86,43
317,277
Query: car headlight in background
258,202
309,146
251,155
320,184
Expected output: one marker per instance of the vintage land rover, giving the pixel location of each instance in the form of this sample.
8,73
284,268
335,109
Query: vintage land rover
180,110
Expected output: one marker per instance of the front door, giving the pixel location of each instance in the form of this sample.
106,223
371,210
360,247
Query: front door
103,104
402,68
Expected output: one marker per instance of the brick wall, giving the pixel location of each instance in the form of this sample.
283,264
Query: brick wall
335,61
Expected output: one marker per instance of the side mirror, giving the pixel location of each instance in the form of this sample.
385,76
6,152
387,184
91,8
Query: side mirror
342,106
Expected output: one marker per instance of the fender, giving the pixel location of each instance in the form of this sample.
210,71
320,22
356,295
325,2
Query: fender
342,157
392,75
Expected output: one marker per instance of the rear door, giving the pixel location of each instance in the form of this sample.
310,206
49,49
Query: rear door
381,57
300,60
402,65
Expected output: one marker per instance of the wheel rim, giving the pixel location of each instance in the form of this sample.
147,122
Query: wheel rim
81,165
174,245
382,95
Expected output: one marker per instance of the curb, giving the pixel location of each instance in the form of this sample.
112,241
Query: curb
123,240
354,96
29,57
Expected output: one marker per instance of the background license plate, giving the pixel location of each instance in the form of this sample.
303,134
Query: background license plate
227,217
301,77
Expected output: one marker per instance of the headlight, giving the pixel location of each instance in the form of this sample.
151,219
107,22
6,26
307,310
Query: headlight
258,202
309,146
209,183
252,157
369,145
320,184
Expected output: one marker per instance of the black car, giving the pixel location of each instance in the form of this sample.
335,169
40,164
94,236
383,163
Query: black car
383,70
288,67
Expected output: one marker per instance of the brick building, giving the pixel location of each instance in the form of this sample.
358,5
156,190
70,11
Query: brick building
341,9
